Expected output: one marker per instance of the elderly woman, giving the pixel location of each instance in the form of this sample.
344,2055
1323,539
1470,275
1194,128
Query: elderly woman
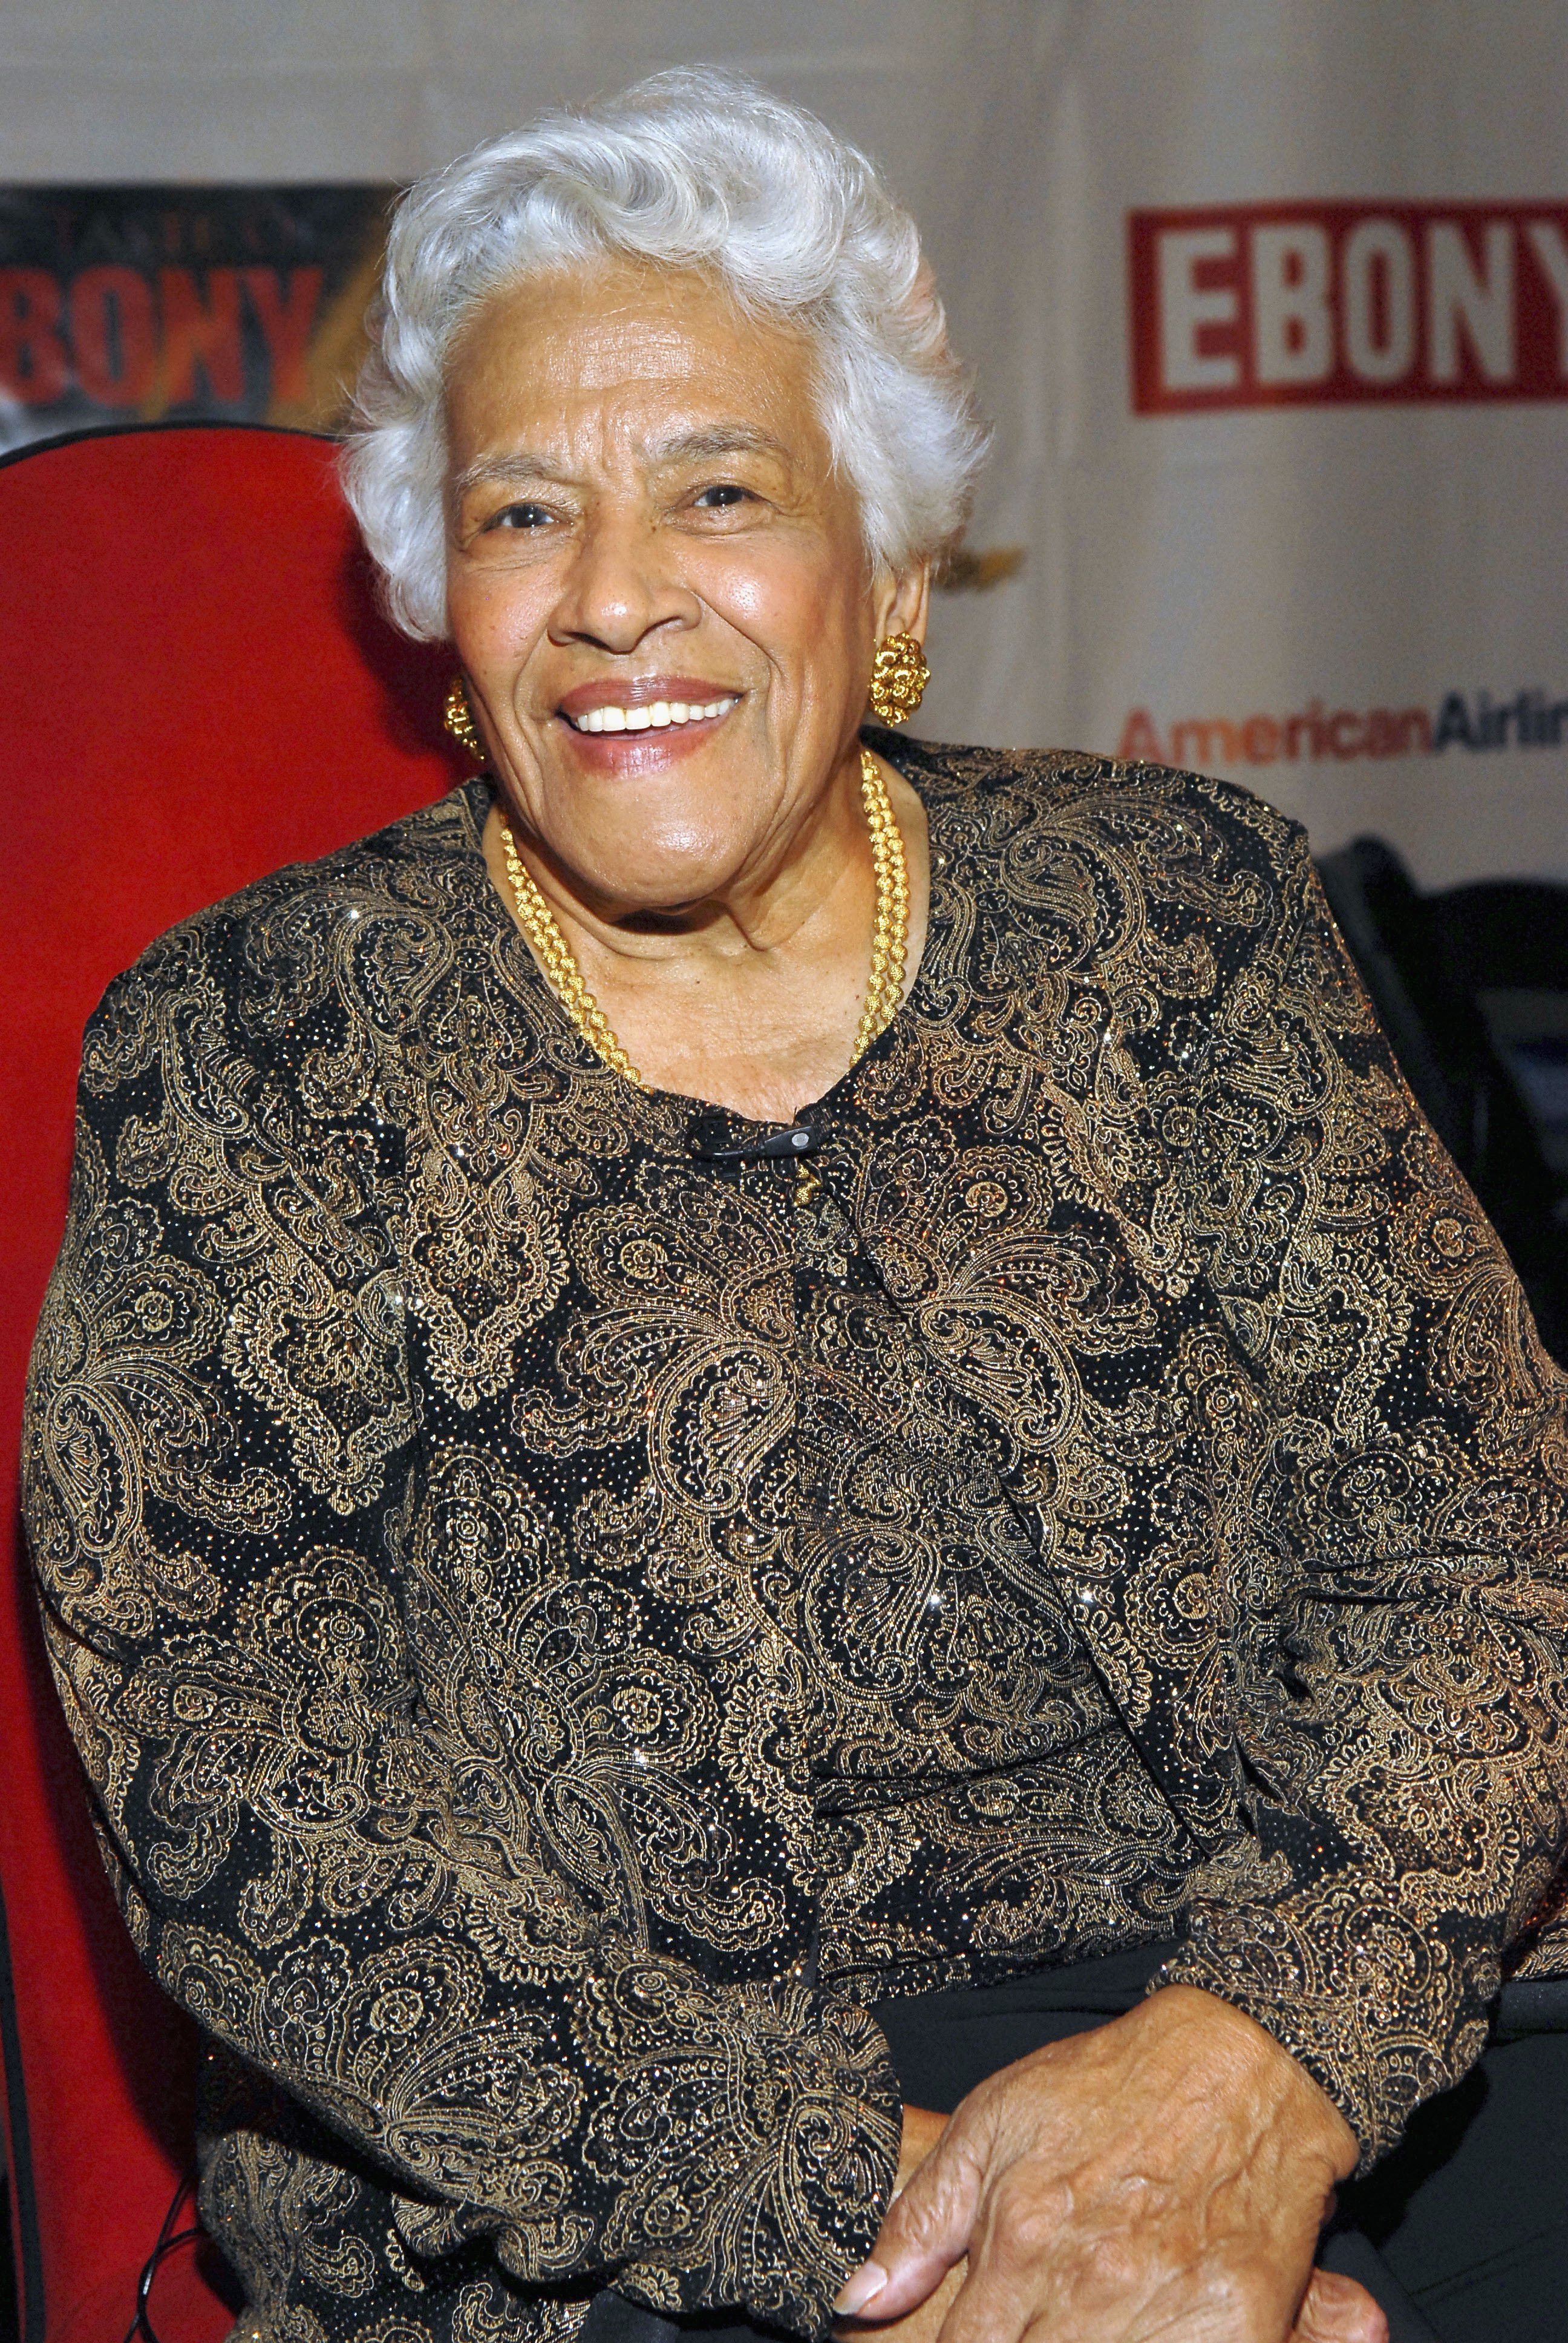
763,1460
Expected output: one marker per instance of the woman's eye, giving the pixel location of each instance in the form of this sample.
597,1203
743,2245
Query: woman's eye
520,517
722,493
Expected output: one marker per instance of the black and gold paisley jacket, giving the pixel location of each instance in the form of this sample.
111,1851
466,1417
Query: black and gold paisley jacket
556,1627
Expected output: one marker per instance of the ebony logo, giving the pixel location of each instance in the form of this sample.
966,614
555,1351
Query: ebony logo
1268,305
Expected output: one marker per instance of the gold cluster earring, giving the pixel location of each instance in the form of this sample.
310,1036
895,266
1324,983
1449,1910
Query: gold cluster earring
899,679
458,719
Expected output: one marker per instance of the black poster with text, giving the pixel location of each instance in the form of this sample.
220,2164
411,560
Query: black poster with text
146,304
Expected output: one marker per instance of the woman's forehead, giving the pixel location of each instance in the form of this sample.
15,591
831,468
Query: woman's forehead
661,360
584,319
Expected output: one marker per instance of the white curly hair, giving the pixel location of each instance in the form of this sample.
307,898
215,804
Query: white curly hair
692,168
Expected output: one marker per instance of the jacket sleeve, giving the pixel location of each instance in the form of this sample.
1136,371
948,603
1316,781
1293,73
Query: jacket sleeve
1394,1549
303,1837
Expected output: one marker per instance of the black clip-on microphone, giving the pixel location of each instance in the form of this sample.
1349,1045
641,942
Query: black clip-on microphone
709,1127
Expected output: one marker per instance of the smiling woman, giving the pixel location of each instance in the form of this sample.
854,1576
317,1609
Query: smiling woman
640,472
771,1466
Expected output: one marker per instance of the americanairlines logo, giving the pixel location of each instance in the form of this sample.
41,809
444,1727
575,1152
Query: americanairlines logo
1474,720
1265,304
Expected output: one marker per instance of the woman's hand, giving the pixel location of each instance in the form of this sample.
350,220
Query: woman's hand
1165,2175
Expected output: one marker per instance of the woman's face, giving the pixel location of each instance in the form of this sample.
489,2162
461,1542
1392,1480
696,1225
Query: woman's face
657,581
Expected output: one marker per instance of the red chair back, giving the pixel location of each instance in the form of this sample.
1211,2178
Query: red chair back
198,688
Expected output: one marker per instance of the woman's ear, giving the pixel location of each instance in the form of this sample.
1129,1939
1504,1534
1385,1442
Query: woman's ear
903,601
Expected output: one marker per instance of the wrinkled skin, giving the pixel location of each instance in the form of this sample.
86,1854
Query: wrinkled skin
1164,2176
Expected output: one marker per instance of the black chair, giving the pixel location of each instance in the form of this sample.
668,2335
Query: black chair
1471,987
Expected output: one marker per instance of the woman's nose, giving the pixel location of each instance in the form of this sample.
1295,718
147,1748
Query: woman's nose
619,588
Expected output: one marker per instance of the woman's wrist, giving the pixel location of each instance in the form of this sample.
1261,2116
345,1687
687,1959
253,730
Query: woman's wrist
1267,2072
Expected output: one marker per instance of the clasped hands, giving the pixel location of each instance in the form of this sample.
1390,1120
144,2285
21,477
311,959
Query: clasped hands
1163,2176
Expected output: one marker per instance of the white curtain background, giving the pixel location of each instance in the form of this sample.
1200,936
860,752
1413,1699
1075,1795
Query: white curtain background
1180,569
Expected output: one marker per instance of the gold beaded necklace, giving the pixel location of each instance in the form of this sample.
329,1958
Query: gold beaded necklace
889,937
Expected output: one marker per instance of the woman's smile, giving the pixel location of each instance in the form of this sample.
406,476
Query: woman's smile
635,724
666,616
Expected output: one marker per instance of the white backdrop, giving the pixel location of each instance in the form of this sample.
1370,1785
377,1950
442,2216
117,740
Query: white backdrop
1302,592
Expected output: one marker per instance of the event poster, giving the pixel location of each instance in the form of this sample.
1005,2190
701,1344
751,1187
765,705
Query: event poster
150,304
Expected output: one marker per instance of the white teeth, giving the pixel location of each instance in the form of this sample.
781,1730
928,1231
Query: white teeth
663,713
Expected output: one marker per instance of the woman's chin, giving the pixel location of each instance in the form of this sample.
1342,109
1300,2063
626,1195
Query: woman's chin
656,850
625,868
638,886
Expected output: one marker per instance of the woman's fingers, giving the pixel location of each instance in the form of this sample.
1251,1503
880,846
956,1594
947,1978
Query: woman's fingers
922,2325
1335,2310
923,2128
926,2231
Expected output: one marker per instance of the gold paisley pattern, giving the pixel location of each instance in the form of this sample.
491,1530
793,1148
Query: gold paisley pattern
555,1628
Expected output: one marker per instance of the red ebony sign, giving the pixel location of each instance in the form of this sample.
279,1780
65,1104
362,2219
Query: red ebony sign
1266,304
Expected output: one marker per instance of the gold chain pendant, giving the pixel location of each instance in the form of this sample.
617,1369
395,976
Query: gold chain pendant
889,937
558,962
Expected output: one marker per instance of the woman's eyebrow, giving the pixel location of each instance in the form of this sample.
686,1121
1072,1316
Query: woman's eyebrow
717,439
686,446
520,466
